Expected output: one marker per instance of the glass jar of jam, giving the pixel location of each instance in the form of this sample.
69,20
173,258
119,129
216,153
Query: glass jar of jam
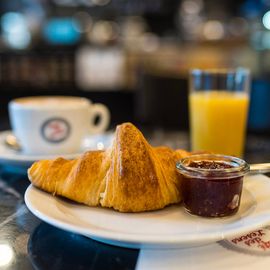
212,184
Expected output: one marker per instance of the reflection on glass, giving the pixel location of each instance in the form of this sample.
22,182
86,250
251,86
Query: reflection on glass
100,146
6,254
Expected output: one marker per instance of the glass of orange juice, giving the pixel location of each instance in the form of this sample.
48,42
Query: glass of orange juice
218,108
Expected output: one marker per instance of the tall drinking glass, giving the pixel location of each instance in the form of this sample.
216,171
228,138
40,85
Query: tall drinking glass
218,107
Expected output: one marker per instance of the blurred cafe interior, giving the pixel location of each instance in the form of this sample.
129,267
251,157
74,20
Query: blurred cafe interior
132,56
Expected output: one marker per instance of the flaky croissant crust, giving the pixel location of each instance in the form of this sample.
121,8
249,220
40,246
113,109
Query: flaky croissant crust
130,176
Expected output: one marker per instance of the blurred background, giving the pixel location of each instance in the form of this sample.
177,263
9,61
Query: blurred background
133,56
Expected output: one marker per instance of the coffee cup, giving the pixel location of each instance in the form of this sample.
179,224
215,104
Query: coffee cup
55,124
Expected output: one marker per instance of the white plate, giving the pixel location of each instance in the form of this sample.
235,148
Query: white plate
9,156
171,227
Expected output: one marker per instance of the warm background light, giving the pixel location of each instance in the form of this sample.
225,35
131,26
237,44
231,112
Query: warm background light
6,254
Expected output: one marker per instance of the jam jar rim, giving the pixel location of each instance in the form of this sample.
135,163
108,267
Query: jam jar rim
236,171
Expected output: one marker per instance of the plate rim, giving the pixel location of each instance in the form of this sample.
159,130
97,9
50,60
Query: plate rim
133,239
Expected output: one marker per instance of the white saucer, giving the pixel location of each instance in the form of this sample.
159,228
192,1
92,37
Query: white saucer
171,227
12,157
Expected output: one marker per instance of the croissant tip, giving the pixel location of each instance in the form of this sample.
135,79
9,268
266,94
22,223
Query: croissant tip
124,125
30,171
29,174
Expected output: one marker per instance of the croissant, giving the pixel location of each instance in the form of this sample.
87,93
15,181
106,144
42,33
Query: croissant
130,176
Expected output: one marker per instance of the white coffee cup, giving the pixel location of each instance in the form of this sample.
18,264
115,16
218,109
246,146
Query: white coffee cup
55,124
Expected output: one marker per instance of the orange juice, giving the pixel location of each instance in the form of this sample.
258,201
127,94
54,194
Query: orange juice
218,121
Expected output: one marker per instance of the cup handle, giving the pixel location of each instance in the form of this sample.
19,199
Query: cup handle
101,111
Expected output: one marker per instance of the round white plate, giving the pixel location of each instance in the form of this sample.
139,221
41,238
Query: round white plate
171,227
9,156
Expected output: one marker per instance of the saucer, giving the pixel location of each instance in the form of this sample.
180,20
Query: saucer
12,157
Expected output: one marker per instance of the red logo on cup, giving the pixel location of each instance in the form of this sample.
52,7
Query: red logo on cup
55,130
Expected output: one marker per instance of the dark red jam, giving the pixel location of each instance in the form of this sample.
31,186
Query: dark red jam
213,192
212,164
